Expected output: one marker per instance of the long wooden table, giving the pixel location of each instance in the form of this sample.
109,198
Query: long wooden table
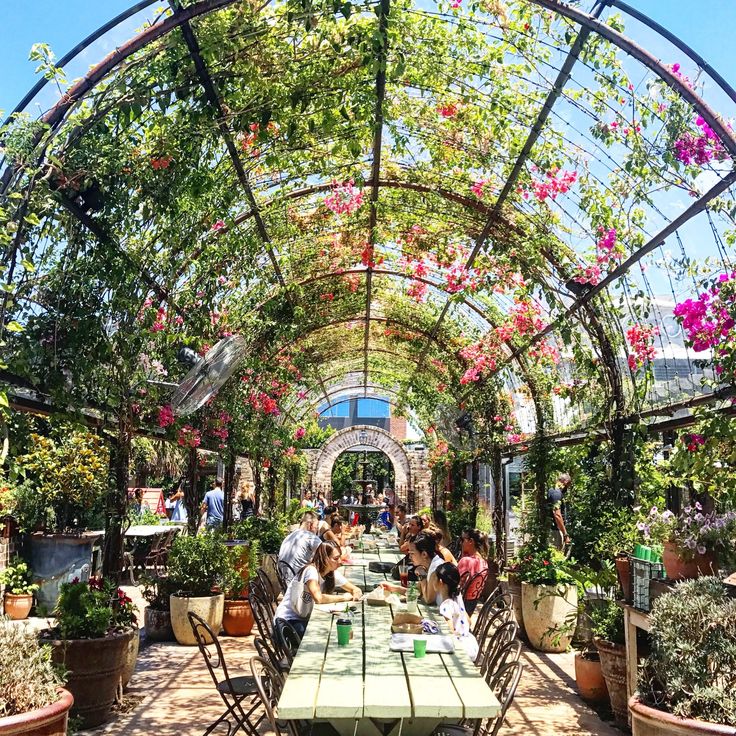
365,689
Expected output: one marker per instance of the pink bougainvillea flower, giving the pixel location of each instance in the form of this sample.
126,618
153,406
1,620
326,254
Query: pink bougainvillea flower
344,199
641,341
189,437
299,433
478,187
417,290
448,109
219,225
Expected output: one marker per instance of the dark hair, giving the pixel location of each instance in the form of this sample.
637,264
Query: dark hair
479,539
335,519
401,507
330,510
321,560
426,544
448,574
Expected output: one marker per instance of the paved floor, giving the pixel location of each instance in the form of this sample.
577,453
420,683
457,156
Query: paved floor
171,694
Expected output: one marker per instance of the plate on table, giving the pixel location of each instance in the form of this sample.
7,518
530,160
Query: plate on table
335,608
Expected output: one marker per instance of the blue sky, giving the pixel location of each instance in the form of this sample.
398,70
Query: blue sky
706,25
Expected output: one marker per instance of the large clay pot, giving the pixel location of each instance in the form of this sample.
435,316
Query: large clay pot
17,607
613,665
678,569
555,611
647,721
157,625
513,587
210,608
130,657
93,670
237,619
51,720
589,677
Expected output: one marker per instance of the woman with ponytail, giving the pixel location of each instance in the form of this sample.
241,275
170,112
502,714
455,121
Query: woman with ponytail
473,560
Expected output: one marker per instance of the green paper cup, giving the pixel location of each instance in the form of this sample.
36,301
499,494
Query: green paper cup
638,552
343,633
420,646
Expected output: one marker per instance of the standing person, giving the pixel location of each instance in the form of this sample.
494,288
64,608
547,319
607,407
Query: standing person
298,547
247,504
556,499
320,505
472,561
214,506
178,509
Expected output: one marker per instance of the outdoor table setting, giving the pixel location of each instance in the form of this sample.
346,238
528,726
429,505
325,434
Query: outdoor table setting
365,688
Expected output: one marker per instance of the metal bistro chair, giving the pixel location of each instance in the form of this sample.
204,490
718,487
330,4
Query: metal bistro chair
494,622
503,684
502,656
503,636
270,567
265,582
491,606
238,693
279,654
285,573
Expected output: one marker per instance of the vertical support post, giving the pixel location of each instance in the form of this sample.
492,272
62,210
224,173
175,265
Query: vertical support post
229,488
191,499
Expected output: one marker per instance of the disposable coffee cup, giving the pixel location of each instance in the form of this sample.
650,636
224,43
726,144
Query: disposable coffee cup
344,628
420,646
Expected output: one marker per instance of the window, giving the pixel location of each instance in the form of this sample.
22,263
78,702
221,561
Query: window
374,408
336,410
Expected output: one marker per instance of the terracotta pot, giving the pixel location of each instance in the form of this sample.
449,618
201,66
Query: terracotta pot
237,619
647,721
17,607
613,666
678,569
210,608
157,625
131,655
589,677
51,720
93,673
623,571
513,587
547,610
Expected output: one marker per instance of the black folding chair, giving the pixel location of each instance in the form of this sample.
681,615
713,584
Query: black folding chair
238,693
485,637
501,637
471,590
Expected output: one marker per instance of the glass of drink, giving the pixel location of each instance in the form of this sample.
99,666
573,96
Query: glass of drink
404,575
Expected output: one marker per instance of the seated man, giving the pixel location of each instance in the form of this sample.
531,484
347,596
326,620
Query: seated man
386,517
298,548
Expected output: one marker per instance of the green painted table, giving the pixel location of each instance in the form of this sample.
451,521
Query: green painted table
365,689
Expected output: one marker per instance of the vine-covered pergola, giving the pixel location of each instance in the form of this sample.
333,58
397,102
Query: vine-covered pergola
469,207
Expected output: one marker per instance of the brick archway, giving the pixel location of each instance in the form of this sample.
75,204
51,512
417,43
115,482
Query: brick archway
373,437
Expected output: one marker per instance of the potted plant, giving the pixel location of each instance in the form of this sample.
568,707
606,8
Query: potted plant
32,701
237,619
197,569
692,541
18,598
91,640
607,623
549,597
157,614
687,684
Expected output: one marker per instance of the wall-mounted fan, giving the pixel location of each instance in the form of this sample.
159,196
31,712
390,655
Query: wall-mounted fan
456,426
208,374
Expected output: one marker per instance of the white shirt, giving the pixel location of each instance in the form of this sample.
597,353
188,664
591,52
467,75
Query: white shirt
453,609
436,562
286,610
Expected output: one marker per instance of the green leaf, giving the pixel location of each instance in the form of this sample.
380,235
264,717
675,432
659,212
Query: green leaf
32,219
28,265
14,326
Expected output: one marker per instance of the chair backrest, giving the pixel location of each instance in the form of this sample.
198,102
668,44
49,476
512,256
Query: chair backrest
289,641
267,589
285,572
504,684
269,564
495,644
265,651
262,611
490,607
485,637
206,639
473,586
503,656
270,684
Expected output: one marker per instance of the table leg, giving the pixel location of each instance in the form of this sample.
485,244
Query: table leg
632,656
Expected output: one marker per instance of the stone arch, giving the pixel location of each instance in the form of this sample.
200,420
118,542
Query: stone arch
373,437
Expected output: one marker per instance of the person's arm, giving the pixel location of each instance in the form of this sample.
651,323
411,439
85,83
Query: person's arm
320,597
560,523
353,590
428,588
393,588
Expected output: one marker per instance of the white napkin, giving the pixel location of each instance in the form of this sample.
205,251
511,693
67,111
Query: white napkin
405,643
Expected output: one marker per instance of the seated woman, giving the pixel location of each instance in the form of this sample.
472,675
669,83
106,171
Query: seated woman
471,562
324,523
424,557
315,583
413,527
334,532
453,608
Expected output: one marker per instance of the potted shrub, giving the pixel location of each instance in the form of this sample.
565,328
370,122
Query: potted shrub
549,597
157,614
32,701
687,684
692,541
237,619
18,598
607,623
95,624
197,569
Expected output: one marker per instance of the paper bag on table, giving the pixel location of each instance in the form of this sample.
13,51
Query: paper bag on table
402,617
